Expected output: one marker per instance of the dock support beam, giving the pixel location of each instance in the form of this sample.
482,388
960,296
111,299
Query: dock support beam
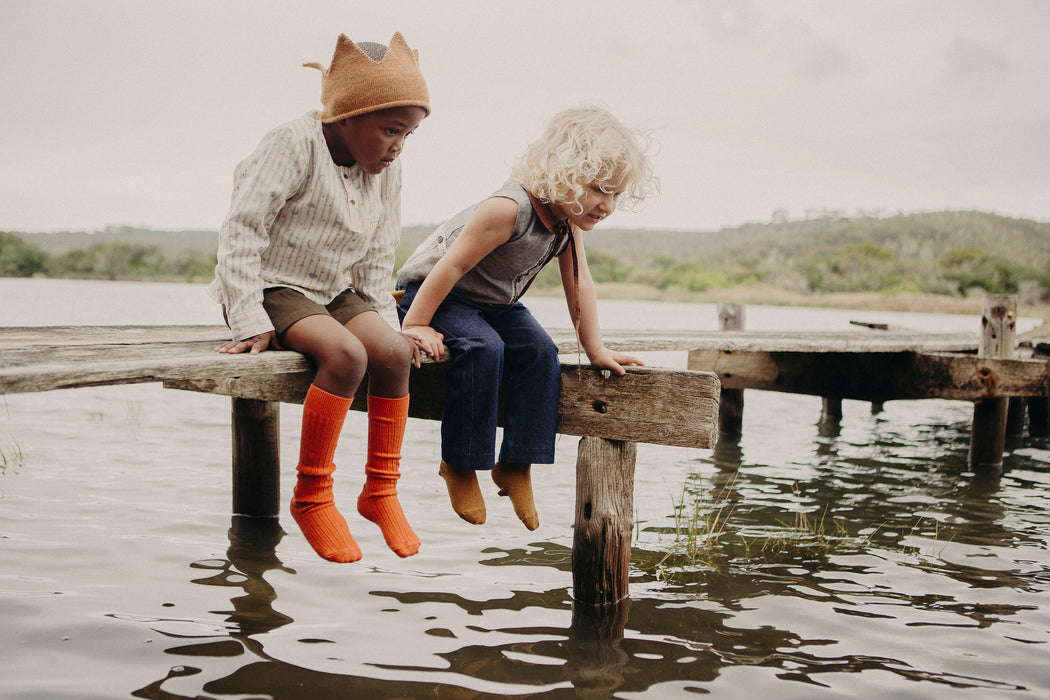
256,460
601,546
988,433
731,406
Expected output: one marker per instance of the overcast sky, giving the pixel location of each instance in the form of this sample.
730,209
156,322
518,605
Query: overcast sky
135,113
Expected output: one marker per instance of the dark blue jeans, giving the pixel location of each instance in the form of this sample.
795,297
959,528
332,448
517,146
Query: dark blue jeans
494,348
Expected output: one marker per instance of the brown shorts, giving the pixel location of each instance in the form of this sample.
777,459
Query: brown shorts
286,306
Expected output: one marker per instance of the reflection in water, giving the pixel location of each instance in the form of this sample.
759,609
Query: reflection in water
818,534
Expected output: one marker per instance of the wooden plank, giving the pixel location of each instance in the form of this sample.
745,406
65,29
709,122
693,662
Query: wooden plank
74,366
861,340
876,376
658,406
16,337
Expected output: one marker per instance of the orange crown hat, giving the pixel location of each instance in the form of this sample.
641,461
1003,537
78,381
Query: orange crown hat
357,84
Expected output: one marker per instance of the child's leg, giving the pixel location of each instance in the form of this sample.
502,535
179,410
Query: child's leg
341,361
389,364
531,384
378,500
313,505
472,382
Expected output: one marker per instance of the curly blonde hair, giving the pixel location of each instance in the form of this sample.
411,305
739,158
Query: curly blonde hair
581,147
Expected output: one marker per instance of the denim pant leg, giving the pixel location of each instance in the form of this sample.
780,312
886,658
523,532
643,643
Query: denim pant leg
483,341
472,383
531,385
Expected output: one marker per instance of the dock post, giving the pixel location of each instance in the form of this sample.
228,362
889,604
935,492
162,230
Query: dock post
1015,417
831,409
988,432
1039,408
256,459
601,545
731,406
1038,416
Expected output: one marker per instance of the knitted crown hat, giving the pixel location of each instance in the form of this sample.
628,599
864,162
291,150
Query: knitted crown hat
357,84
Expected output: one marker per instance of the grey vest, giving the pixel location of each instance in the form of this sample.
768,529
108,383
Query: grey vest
502,276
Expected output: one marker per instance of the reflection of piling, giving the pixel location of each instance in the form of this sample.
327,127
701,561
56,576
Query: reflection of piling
596,658
988,432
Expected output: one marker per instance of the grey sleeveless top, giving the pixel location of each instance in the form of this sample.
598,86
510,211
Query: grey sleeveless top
502,276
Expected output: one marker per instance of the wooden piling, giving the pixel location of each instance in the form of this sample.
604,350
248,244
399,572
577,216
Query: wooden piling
988,432
831,408
731,406
1038,416
601,546
1015,417
256,458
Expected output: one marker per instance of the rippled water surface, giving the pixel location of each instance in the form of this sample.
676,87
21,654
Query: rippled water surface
857,559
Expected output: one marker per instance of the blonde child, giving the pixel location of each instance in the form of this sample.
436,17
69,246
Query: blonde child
304,263
463,285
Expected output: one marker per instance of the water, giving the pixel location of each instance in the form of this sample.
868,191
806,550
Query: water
861,559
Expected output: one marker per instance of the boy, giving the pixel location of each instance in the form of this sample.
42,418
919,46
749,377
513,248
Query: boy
304,263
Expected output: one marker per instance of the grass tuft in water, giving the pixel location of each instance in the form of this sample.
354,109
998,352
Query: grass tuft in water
703,538
11,456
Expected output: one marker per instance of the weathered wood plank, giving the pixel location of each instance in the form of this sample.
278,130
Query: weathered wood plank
859,340
876,376
68,367
658,406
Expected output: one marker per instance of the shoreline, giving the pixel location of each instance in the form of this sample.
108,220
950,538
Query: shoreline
764,295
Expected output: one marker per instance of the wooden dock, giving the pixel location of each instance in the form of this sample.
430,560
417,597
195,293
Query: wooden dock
609,413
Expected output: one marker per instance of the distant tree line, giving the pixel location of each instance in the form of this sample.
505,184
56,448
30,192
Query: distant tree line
948,253
107,260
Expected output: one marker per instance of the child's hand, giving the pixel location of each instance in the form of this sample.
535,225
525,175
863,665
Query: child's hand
255,344
607,359
428,339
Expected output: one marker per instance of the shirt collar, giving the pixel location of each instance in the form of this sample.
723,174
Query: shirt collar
547,218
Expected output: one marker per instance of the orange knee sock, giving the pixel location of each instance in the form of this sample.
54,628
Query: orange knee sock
378,500
313,506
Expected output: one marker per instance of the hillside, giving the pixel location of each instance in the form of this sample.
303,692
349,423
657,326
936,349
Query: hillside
168,241
950,253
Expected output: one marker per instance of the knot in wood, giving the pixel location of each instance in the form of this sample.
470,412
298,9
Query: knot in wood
987,376
600,406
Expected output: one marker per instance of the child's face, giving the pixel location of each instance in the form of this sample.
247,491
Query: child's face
373,140
598,202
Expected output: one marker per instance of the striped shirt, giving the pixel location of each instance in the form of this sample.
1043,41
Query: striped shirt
299,220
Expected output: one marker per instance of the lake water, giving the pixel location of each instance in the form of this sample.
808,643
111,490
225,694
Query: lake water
861,559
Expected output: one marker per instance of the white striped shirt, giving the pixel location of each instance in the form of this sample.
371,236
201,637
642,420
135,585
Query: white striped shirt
299,220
